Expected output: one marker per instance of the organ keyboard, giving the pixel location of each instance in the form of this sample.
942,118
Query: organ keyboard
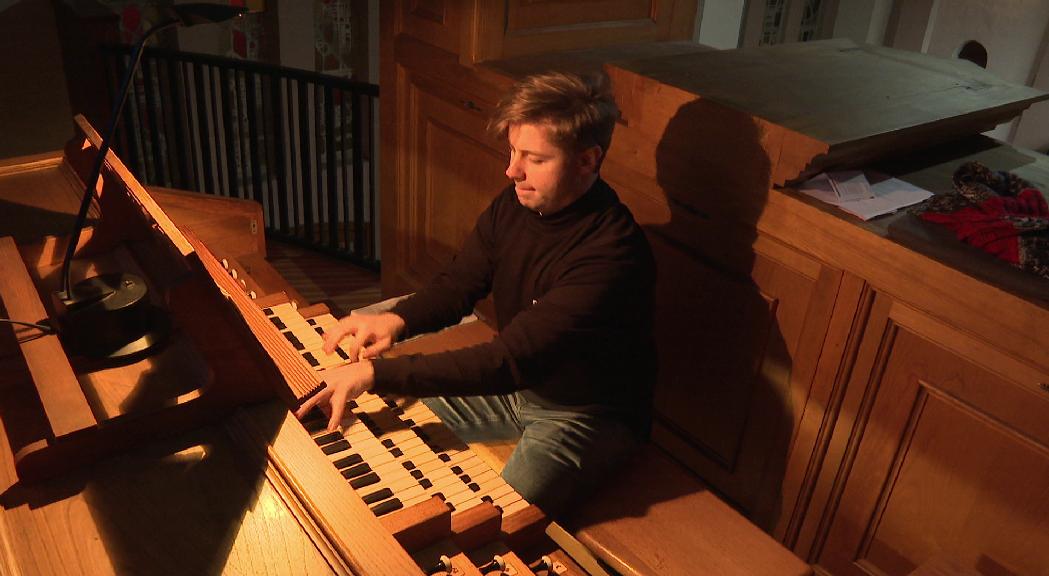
393,447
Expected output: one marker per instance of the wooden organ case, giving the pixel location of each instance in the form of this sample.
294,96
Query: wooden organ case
187,460
870,394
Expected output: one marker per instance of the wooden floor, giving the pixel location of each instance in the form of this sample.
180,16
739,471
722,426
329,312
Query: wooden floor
338,283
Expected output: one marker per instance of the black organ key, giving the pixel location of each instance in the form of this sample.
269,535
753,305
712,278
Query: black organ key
457,470
347,461
335,447
320,331
356,471
408,465
425,483
474,487
396,453
387,443
342,354
444,457
278,323
370,424
387,507
417,474
366,480
294,341
466,479
421,433
311,321
377,496
327,438
309,358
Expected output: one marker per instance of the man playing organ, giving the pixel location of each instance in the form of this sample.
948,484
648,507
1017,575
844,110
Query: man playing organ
571,370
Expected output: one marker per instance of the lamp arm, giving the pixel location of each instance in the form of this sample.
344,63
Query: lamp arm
96,169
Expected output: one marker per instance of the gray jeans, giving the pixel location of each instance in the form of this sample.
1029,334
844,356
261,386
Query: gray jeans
560,455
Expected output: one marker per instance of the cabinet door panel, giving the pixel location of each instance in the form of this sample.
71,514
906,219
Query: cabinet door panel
453,172
517,27
537,14
952,458
736,361
435,22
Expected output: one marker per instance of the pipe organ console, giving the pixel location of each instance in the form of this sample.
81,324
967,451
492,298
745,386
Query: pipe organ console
392,492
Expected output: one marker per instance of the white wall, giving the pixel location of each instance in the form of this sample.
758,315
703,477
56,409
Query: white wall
720,23
296,34
1012,31
862,21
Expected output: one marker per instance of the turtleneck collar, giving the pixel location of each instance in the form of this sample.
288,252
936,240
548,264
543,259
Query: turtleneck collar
596,197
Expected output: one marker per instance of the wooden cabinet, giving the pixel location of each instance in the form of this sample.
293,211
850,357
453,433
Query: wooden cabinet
948,454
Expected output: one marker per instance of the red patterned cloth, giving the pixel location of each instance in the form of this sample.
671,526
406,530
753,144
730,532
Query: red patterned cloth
997,212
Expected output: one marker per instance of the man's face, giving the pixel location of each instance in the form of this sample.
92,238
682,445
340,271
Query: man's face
547,178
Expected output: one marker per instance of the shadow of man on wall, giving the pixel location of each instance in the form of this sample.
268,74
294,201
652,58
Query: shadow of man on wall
722,402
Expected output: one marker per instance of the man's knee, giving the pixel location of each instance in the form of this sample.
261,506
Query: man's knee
556,462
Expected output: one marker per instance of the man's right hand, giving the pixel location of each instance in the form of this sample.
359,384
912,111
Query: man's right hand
372,334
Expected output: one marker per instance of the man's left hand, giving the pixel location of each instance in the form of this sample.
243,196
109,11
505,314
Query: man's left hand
343,383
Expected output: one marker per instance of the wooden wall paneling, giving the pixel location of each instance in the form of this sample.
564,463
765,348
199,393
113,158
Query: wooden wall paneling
820,409
926,284
738,347
454,170
470,94
952,460
436,22
391,142
516,27
871,327
735,356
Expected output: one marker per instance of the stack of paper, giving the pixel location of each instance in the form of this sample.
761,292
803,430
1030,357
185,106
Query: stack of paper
854,193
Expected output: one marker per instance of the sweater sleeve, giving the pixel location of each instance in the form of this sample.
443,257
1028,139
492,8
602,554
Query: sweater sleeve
452,294
585,313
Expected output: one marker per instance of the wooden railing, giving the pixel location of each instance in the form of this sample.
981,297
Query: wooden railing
300,143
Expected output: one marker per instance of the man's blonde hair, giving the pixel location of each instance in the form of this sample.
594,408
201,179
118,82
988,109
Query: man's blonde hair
578,110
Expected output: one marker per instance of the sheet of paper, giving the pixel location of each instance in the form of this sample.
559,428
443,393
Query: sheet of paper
837,187
820,188
889,196
850,185
884,196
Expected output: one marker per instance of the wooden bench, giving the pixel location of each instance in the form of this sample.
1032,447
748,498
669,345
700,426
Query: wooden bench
656,518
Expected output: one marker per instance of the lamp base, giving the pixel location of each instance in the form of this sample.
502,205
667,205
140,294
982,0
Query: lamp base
110,317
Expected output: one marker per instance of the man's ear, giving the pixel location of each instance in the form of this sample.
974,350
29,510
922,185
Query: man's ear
590,159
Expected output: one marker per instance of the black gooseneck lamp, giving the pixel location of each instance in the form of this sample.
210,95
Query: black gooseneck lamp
109,316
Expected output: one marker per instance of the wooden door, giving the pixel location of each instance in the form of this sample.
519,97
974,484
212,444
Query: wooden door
447,171
947,455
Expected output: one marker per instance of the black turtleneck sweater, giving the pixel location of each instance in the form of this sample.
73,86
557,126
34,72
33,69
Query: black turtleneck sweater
573,303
